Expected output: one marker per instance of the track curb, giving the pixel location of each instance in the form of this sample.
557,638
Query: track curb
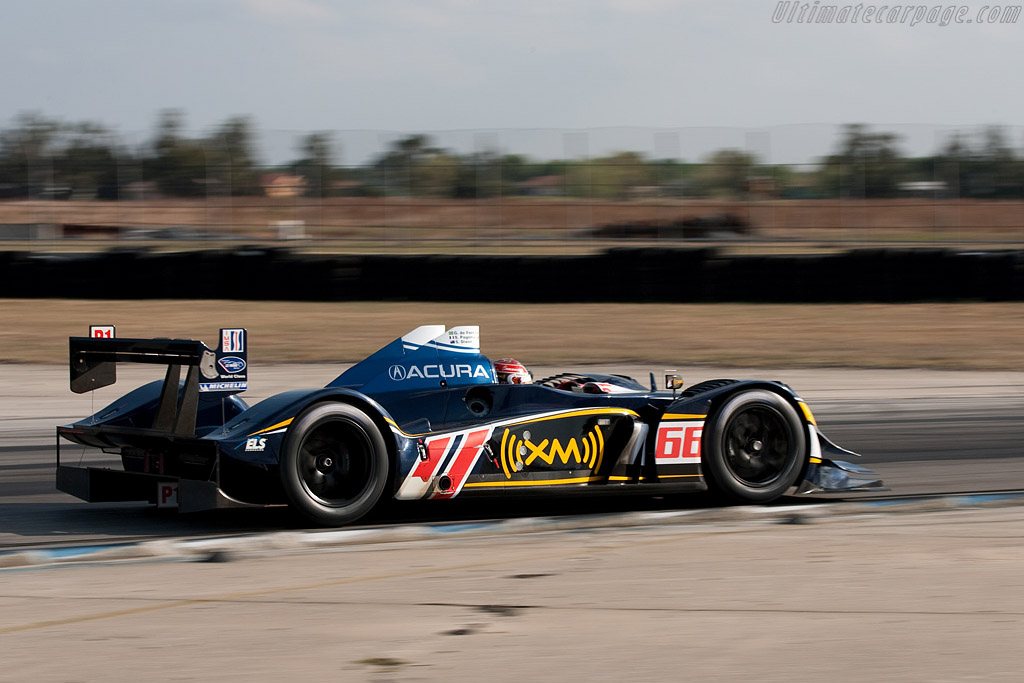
219,549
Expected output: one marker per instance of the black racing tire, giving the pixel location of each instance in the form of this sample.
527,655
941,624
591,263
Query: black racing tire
754,448
335,464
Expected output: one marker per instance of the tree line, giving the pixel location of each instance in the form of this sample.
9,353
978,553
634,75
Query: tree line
44,157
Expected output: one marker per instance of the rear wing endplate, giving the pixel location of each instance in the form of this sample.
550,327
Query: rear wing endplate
93,364
93,361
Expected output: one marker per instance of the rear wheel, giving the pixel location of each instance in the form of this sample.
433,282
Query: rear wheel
754,448
335,464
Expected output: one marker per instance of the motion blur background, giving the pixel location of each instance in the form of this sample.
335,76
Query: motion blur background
729,188
475,127
478,190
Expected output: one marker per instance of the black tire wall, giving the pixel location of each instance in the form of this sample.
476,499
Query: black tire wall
625,275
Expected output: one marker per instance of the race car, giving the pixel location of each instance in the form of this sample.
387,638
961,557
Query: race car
425,417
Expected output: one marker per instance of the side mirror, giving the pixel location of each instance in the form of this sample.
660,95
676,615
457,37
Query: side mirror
673,382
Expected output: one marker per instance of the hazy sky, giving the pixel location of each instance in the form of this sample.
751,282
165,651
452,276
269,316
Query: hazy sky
699,73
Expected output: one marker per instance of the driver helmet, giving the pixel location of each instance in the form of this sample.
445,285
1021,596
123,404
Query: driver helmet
511,371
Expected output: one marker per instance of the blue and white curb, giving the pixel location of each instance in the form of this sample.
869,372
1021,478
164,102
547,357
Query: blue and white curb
204,548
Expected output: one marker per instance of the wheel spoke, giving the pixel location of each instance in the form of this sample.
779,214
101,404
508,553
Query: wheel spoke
335,463
757,445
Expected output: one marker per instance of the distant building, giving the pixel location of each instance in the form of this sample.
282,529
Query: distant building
643,192
346,188
54,191
924,188
679,187
542,186
283,185
800,191
761,186
140,189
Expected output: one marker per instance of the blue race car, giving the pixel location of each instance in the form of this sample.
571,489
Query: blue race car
426,417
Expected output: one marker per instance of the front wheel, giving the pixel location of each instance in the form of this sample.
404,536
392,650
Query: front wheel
754,448
335,464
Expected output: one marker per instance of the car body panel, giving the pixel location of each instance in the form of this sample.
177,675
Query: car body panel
450,429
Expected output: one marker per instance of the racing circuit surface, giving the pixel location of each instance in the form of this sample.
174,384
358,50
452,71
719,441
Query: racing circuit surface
902,593
925,432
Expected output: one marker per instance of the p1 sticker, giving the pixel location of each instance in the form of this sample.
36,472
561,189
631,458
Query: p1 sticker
167,494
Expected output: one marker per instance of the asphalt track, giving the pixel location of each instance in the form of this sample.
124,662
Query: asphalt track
925,432
890,593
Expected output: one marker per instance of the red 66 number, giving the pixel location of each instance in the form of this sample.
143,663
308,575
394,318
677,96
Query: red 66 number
679,442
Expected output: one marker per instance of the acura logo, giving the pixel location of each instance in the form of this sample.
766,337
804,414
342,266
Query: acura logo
396,372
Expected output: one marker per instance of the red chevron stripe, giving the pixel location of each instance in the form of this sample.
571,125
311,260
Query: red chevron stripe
464,461
435,454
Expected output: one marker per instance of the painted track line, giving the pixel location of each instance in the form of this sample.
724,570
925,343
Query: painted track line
203,548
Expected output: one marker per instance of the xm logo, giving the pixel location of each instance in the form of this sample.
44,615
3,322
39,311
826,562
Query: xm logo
518,452
451,371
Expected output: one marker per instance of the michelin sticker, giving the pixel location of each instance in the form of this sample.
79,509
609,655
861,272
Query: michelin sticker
223,386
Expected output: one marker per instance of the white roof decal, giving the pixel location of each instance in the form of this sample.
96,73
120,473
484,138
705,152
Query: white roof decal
422,335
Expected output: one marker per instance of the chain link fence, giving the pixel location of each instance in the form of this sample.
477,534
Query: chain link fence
507,190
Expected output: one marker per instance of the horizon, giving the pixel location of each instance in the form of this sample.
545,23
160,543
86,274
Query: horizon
459,68
781,145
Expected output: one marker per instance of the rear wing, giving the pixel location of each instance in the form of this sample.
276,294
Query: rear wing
93,364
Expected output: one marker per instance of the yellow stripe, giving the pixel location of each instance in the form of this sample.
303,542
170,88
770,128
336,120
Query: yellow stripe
505,466
660,476
285,423
682,416
402,431
807,413
574,413
815,461
541,482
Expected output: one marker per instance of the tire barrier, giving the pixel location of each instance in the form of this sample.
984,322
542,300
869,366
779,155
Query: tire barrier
621,274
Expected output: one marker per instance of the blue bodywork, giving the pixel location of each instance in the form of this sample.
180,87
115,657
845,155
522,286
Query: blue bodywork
451,428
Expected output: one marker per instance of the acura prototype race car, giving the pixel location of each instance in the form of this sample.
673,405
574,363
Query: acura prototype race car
425,417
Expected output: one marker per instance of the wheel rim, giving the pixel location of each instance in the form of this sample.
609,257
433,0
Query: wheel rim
758,445
335,463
